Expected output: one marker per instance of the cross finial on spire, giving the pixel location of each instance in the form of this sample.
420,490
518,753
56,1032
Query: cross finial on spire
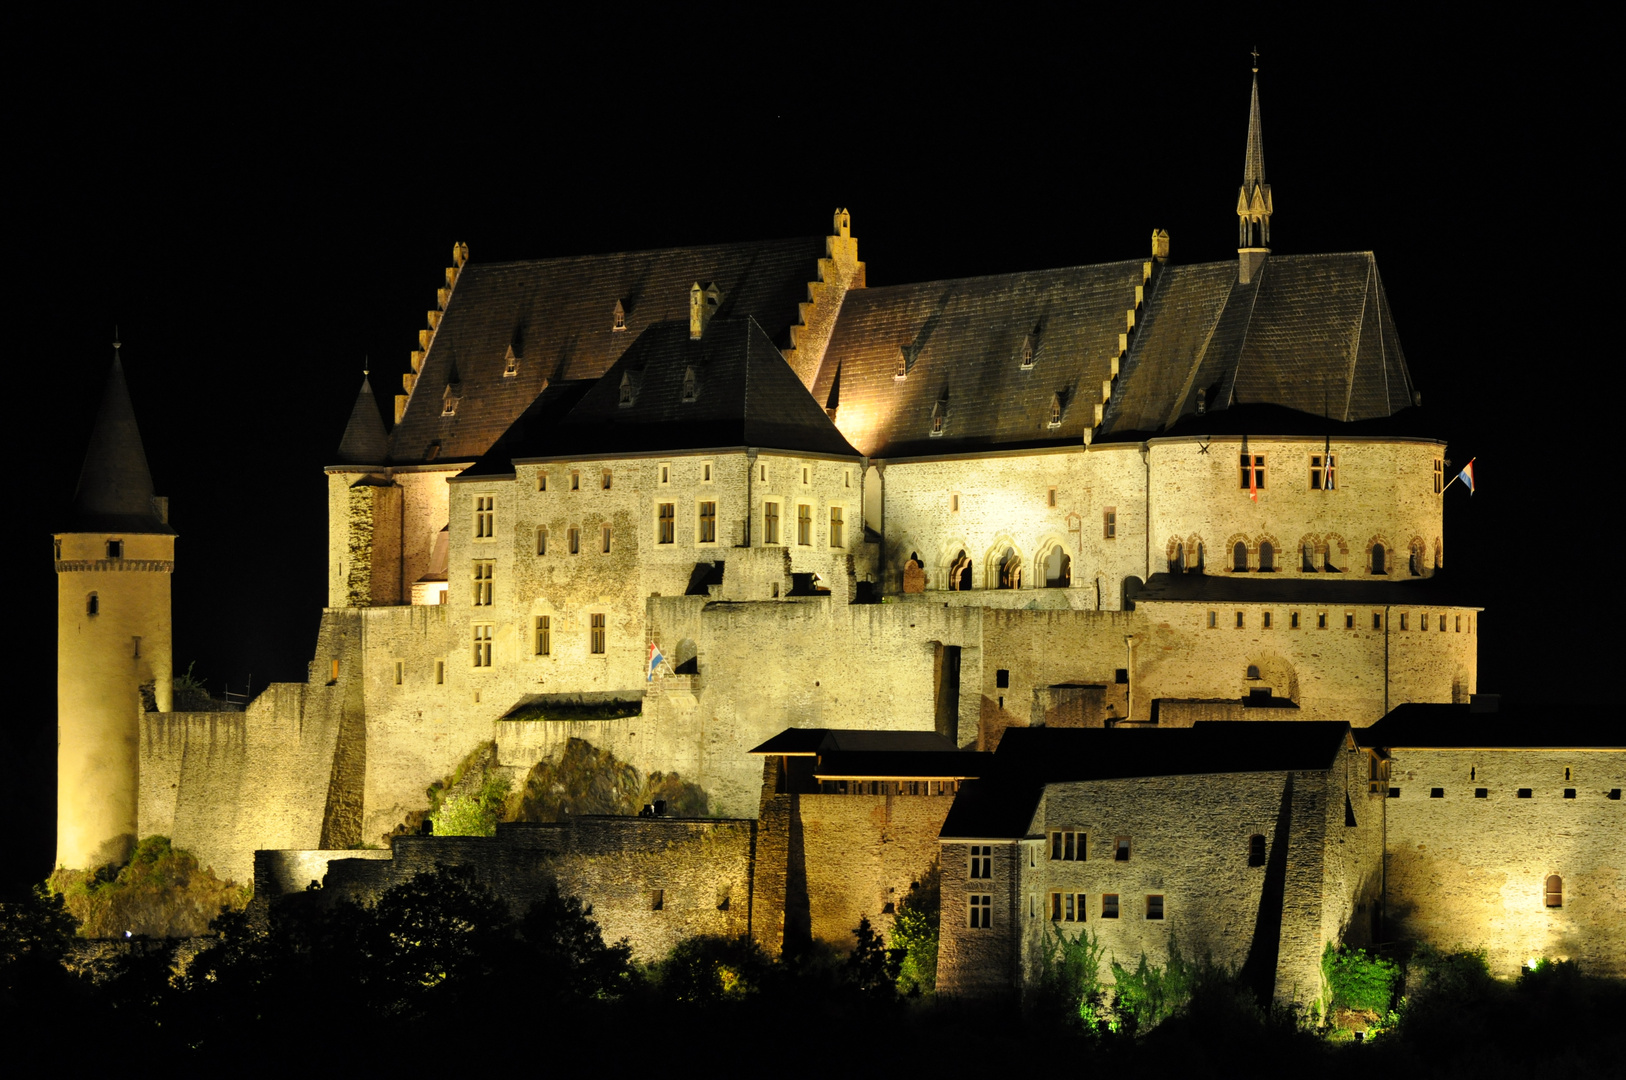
1256,59
115,337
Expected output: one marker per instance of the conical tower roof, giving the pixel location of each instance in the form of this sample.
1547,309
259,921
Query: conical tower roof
115,485
365,441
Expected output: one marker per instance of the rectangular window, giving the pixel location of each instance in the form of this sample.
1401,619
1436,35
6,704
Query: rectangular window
666,523
705,473
1109,906
1253,466
440,673
596,645
400,672
1377,620
1265,619
1439,476
482,582
762,472
1459,624
575,538
1481,793
1120,849
981,909
657,900
541,481
770,523
604,480
804,525
1240,621
1442,624
1154,907
1068,907
1349,620
954,502
838,538
666,474
708,523
1109,523
1323,472
805,475
604,539
115,549
1067,845
1293,621
544,635
1321,620
1436,793
542,540
575,480
846,478
482,645
1404,618
1213,620
485,517
982,862
1050,497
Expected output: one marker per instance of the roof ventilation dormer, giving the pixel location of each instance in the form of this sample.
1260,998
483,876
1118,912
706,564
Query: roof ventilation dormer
939,414
907,355
1057,401
1030,350
691,384
629,390
620,317
510,364
703,304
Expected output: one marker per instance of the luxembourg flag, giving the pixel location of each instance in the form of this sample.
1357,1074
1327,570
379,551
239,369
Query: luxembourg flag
655,660
1467,475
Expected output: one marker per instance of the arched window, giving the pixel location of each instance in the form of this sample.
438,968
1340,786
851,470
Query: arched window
1239,557
1307,555
1267,557
1058,569
1378,560
1555,891
1256,850
1010,570
960,572
1177,558
93,605
1416,563
1253,671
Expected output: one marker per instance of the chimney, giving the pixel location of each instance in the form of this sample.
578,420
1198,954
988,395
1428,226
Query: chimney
703,304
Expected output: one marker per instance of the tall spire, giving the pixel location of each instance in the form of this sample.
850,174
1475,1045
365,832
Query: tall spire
1253,202
115,485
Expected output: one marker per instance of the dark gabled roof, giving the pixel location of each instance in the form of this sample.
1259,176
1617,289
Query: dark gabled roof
531,430
1311,333
1332,590
1429,726
900,764
966,339
1001,804
558,316
114,493
808,742
365,442
745,395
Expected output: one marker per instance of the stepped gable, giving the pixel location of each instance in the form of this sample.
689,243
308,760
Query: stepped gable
115,493
558,317
1311,333
1001,804
742,393
365,442
960,347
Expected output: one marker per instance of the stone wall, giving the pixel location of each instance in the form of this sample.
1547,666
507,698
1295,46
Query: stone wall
1470,872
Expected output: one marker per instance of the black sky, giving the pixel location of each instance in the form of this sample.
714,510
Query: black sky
262,203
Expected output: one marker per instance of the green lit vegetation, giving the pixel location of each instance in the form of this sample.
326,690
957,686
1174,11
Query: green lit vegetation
915,932
1359,987
160,892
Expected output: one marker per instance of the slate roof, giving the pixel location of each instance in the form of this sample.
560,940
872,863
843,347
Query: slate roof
114,493
900,765
1312,333
1430,726
365,442
810,741
1002,804
746,395
558,316
966,338
1332,590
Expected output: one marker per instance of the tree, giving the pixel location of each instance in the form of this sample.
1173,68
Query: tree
871,966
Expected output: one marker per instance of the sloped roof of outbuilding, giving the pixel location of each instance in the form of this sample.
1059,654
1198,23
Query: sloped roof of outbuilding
745,395
558,315
1002,803
1445,726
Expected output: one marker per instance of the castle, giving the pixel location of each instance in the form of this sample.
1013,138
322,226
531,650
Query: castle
1089,586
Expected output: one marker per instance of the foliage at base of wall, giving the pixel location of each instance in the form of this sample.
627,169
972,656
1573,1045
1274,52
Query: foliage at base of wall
915,932
586,780
1356,981
160,892
474,814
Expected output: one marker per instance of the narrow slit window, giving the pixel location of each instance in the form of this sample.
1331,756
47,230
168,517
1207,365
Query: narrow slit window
544,635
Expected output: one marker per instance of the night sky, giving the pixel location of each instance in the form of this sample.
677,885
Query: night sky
260,208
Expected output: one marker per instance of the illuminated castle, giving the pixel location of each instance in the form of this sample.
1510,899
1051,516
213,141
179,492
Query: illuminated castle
1132,495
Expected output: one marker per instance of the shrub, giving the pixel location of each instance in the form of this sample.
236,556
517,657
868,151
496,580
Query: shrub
871,966
161,892
473,815
915,932
1358,981
1149,995
1070,977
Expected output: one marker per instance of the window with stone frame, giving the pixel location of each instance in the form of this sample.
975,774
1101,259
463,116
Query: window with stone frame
604,539
980,910
666,523
838,537
483,570
804,525
770,522
485,517
708,523
1554,891
596,638
1068,906
1067,845
982,862
1109,905
573,540
1439,476
1120,849
1323,472
482,644
115,549
1109,523
1254,463
1154,907
541,539
544,635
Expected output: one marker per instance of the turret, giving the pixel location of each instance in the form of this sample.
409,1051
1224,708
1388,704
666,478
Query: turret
113,564
1253,202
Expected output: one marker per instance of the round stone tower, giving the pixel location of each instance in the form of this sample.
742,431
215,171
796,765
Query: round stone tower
113,564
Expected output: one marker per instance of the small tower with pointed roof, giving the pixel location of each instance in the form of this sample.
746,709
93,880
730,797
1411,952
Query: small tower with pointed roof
1253,202
113,564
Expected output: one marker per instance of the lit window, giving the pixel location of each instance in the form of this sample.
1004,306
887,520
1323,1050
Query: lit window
1555,891
837,525
597,643
982,862
1323,475
1067,845
1154,907
544,635
770,523
484,517
482,582
482,645
804,524
981,908
708,523
1109,906
666,517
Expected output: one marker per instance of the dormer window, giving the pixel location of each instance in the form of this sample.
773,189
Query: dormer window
939,414
1055,410
454,391
510,364
629,389
1029,348
620,320
691,384
907,355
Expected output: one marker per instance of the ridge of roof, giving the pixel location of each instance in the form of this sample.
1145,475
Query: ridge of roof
115,492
